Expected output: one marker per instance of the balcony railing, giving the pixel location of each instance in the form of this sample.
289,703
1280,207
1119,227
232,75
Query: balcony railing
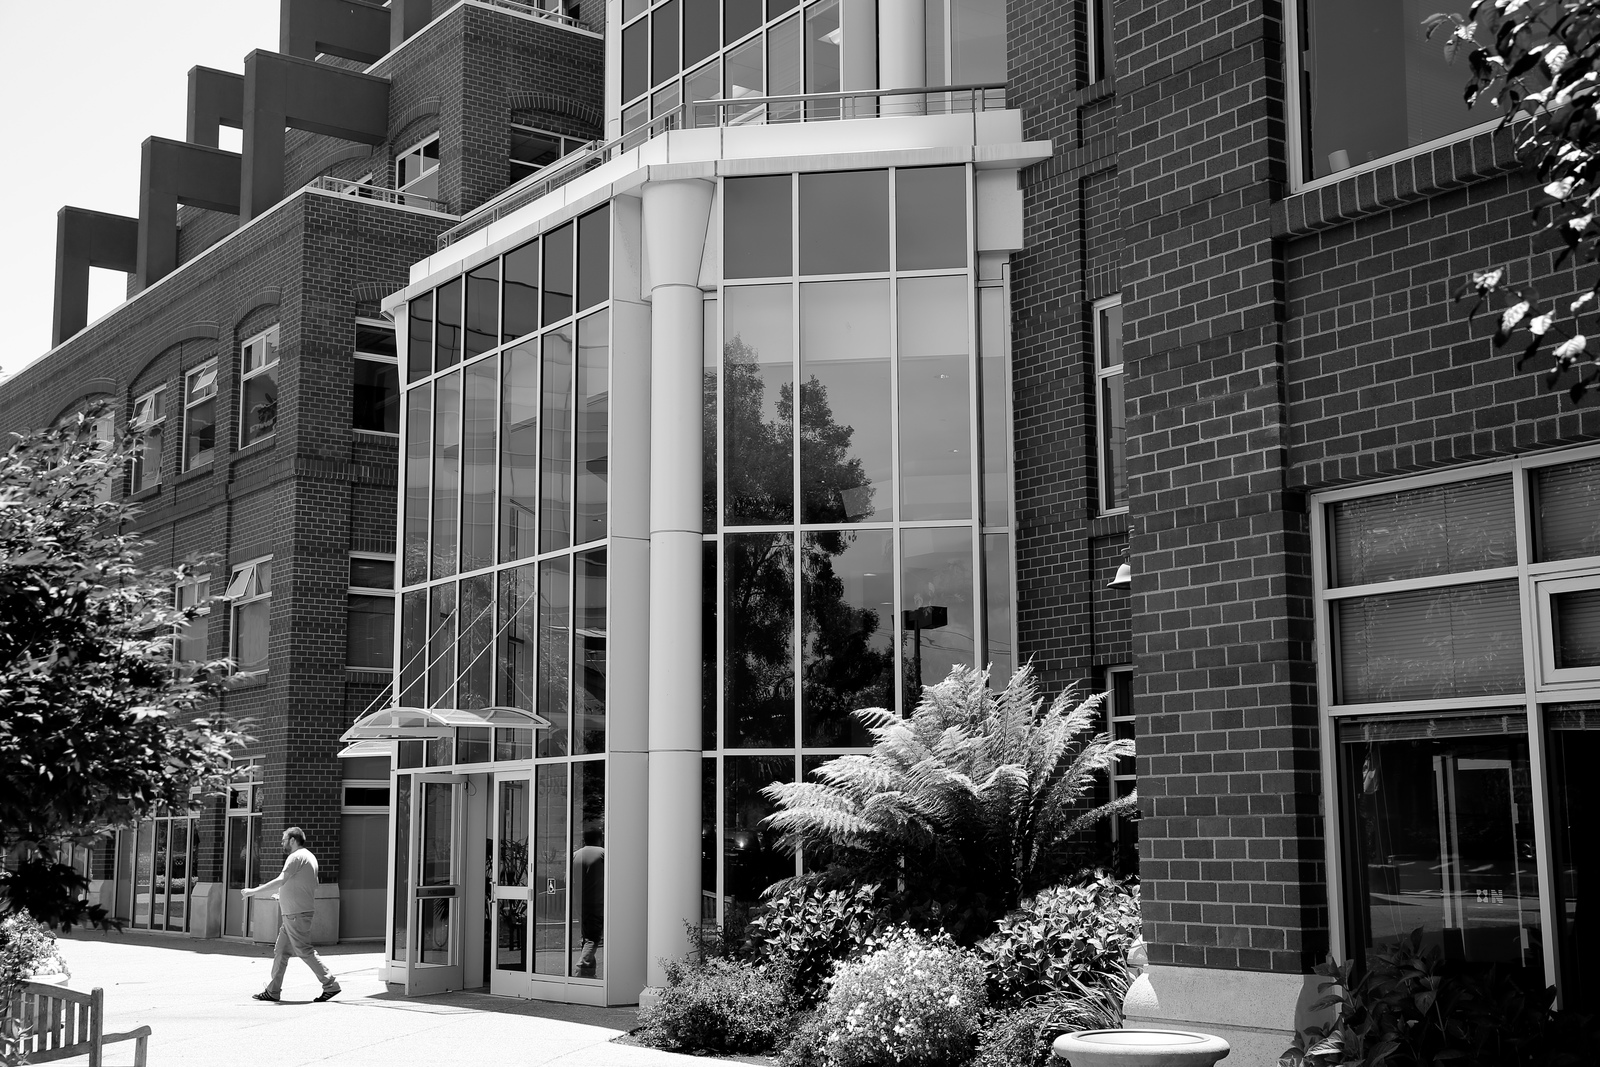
742,111
533,9
366,191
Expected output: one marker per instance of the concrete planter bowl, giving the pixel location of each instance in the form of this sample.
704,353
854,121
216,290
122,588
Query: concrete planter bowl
1139,1048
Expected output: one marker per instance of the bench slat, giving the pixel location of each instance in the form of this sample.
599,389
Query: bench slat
63,1023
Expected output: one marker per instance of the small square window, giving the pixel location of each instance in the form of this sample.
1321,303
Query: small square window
375,379
250,592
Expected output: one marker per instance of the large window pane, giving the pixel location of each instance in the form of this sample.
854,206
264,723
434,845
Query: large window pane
665,59
708,644
1377,84
936,597
994,424
977,42
592,429
555,462
739,17
369,633
447,325
521,291
784,74
517,640
400,877
757,237
414,648
374,406
709,446
822,57
999,653
930,218
589,653
750,855
519,444
1438,831
478,465
635,59
758,668
594,258
475,689
1574,807
446,474
701,32
550,869
442,645
1429,643
758,404
558,287
555,632
846,454
419,338
483,309
1575,625
844,222
1567,503
1442,529
419,466
847,640
744,74
935,368
588,912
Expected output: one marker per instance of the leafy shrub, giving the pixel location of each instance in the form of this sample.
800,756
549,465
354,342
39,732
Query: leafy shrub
27,948
718,1004
1066,937
973,802
914,1000
814,927
1021,1036
1406,1007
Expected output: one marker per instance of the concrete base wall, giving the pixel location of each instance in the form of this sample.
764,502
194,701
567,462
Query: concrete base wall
1256,1012
205,909
324,921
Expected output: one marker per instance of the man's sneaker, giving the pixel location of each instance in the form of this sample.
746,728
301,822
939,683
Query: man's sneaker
264,995
327,994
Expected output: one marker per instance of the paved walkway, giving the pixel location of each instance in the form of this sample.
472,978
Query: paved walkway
195,996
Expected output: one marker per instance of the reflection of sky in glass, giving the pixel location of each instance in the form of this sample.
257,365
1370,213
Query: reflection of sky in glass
935,397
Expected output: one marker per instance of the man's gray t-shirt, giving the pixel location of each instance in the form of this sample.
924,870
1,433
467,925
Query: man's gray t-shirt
299,890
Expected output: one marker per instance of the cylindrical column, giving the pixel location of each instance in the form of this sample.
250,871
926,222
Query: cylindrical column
675,217
902,54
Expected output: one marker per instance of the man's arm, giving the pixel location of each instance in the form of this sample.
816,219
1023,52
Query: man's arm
264,887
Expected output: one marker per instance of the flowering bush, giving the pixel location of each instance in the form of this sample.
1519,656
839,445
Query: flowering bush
1069,937
914,1000
27,948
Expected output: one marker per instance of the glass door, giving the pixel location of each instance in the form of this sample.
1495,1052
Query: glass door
433,956
243,853
508,885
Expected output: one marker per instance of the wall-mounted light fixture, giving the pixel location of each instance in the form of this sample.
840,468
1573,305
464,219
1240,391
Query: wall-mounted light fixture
1124,578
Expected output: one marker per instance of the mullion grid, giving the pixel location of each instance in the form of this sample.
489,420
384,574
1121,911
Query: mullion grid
799,529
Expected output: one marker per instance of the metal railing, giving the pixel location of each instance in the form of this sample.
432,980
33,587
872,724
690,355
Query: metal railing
533,9
740,111
365,191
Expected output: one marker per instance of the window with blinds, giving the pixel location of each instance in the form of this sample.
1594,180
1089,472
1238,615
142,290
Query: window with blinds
1567,511
1461,640
1441,529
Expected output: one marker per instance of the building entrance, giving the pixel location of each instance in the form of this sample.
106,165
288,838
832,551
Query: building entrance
429,873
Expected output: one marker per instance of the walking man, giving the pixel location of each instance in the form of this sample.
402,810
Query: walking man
297,892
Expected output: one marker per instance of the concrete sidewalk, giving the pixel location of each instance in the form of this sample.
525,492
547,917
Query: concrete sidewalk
195,996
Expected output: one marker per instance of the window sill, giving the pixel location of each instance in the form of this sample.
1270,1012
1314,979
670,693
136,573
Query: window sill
199,470
247,679
382,435
1112,525
370,674
149,493
260,444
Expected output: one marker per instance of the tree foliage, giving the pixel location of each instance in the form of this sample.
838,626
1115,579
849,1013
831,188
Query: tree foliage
974,800
99,726
1538,61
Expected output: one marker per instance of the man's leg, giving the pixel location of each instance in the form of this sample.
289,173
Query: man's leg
298,927
281,950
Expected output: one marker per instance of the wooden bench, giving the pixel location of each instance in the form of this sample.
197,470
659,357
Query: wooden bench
55,1022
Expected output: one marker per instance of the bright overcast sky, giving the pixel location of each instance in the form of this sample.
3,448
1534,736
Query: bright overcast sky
88,81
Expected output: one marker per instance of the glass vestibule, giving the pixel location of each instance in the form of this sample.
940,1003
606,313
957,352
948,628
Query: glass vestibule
1458,726
155,873
857,480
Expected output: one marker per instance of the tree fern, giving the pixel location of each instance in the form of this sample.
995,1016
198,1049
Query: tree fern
973,800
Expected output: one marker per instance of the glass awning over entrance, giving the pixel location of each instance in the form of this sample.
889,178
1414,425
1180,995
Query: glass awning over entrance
388,724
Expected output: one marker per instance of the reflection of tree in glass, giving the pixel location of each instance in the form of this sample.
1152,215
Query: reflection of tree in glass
842,670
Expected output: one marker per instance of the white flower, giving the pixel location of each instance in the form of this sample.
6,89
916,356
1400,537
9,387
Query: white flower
1513,315
1539,324
1559,190
1556,58
1573,348
1581,301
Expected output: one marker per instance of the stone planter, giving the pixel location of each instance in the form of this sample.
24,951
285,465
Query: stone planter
1139,1048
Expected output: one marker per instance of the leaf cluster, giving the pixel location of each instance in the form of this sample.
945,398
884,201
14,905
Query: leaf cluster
969,804
1538,61
1069,937
1406,1008
100,727
814,927
717,1004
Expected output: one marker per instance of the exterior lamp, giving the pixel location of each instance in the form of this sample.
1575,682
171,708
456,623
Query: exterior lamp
1124,578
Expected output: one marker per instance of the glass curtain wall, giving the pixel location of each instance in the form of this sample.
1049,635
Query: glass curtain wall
155,872
852,510
1460,615
505,527
687,51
